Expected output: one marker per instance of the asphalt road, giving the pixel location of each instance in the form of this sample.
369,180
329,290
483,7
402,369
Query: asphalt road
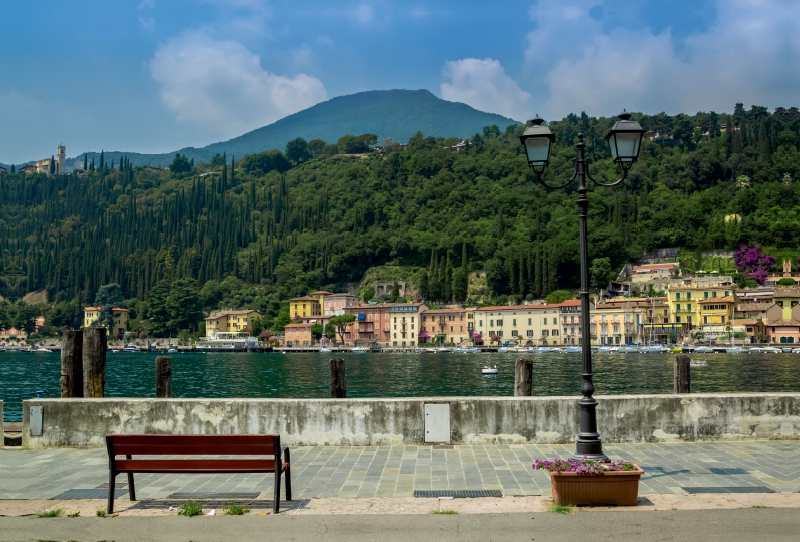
701,525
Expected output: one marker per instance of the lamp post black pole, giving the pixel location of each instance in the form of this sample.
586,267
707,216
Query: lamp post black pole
588,445
624,141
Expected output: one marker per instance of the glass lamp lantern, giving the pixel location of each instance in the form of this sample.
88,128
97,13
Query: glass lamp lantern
625,140
537,141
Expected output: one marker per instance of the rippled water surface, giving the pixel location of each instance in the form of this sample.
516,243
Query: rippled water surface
397,375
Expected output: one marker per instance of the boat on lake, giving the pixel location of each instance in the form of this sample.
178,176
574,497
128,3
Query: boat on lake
502,350
131,348
573,350
444,350
324,350
489,370
43,349
609,349
360,350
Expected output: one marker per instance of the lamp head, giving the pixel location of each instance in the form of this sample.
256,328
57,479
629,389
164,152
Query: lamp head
537,141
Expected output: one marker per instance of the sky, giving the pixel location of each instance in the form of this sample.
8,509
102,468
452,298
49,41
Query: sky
157,75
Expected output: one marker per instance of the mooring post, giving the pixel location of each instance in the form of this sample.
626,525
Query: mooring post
72,363
95,347
163,377
523,378
682,374
338,384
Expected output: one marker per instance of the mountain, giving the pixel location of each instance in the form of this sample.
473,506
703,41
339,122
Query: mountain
397,114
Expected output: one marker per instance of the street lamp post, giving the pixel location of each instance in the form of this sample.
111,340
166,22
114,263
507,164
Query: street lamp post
624,142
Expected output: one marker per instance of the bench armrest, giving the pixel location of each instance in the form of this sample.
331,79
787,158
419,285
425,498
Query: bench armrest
285,450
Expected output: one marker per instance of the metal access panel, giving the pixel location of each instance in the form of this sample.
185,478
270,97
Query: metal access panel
36,421
437,422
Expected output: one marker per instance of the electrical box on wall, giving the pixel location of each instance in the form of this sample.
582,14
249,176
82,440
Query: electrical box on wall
437,422
36,421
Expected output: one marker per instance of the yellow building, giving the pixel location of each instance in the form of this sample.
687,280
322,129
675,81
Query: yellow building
787,299
305,307
685,305
120,320
230,321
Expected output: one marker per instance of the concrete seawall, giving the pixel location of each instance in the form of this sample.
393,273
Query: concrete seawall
467,420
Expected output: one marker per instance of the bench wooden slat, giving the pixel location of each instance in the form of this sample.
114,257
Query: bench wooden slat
197,465
205,449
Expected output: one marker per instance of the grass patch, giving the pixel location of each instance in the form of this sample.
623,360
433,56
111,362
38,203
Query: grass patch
237,509
190,508
444,512
54,513
74,515
101,513
560,508
760,506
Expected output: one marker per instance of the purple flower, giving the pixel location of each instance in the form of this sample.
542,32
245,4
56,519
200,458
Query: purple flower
582,467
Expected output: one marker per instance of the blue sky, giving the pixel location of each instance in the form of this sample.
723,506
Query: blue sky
157,75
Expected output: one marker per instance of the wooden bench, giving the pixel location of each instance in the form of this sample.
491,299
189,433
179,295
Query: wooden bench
194,445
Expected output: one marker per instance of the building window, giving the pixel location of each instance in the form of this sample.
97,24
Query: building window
689,307
480,323
678,307
491,323
678,319
529,321
677,296
705,295
688,296
545,321
499,323
530,333
514,333
514,322
688,319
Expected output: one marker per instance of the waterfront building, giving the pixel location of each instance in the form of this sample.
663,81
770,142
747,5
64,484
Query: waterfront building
385,324
684,301
619,320
298,334
716,316
119,320
451,326
788,299
535,324
335,304
303,307
229,321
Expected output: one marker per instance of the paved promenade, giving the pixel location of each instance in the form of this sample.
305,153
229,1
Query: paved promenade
397,471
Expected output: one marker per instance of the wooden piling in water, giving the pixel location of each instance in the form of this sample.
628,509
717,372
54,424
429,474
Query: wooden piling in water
95,347
163,377
338,383
523,378
72,363
682,374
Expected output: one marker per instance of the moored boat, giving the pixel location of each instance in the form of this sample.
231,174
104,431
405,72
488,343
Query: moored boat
489,370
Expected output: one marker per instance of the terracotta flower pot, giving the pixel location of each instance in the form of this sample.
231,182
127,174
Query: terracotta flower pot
614,488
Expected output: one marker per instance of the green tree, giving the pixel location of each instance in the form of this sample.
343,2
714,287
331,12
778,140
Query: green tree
395,292
341,324
558,296
316,146
256,325
180,165
297,150
367,293
601,272
316,331
281,321
183,306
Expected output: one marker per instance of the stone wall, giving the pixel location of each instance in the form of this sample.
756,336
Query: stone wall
472,420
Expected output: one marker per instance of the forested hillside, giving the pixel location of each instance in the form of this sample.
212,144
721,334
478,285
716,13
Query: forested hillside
281,224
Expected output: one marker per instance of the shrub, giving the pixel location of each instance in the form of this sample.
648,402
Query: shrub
54,513
190,508
237,509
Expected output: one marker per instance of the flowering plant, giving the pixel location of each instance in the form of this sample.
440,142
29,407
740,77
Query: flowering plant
584,466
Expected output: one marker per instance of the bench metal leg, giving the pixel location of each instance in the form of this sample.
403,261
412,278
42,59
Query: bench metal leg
131,488
277,503
112,478
288,483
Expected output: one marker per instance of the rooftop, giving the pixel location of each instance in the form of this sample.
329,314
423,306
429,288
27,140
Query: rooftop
787,292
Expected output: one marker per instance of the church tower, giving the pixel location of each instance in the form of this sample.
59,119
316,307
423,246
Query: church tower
61,160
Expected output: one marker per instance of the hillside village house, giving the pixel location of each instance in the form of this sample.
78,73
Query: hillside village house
20,334
304,307
335,304
229,321
536,324
119,316
617,321
298,334
386,324
453,326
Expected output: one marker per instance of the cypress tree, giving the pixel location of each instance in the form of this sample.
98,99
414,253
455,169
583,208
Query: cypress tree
85,161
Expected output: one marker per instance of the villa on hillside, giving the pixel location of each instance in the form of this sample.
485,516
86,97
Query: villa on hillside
229,321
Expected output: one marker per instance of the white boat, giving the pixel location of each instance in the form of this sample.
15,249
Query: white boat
502,350
698,363
795,350
131,348
703,350
573,350
171,349
360,350
324,350
542,350
628,350
765,350
734,350
473,351
608,349
43,349
489,370
460,350
114,350
444,350
785,350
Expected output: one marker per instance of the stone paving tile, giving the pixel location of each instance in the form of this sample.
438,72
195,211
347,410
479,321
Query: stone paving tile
395,471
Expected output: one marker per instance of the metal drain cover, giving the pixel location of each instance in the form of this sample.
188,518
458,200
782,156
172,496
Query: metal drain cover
212,495
456,493
741,489
88,494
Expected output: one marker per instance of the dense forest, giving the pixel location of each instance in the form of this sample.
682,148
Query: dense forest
256,230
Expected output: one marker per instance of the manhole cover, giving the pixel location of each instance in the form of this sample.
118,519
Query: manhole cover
742,489
457,493
212,495
88,494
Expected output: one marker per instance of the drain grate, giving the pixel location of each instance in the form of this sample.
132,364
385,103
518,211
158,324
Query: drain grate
741,489
456,493
212,495
88,494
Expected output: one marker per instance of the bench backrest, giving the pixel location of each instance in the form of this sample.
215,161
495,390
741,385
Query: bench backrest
193,445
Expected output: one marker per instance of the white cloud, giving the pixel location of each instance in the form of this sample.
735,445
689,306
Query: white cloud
147,4
148,23
325,40
751,54
363,13
484,85
219,85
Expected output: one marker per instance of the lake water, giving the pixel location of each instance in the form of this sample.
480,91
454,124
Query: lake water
397,375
